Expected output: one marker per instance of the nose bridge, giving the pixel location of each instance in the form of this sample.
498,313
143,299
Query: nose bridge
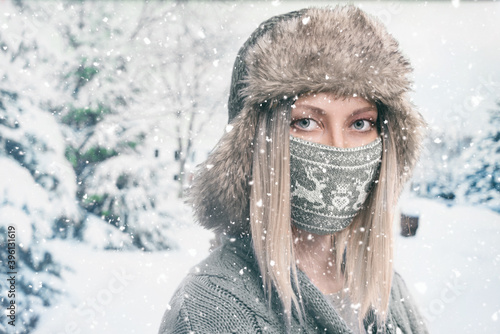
336,134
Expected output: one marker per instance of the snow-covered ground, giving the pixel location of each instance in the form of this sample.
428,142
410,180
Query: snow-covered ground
119,292
452,267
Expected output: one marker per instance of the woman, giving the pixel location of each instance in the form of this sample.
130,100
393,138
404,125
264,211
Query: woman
303,184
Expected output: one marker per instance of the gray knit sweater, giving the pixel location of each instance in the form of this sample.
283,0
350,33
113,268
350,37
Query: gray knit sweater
224,294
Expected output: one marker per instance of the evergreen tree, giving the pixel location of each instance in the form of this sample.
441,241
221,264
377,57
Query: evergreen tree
88,92
37,187
479,180
435,173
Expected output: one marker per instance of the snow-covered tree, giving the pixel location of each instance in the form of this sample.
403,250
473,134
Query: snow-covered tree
462,169
478,181
125,172
100,109
96,96
183,52
126,83
37,184
435,174
96,101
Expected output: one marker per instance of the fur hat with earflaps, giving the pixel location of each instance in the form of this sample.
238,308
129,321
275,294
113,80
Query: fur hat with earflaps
340,50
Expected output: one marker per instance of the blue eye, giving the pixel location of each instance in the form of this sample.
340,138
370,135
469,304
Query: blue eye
362,125
306,124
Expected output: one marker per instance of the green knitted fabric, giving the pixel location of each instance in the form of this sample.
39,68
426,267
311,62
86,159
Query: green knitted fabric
224,294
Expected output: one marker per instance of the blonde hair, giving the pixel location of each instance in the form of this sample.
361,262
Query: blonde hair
366,244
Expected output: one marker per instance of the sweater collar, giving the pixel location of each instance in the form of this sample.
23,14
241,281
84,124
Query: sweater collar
318,308
315,303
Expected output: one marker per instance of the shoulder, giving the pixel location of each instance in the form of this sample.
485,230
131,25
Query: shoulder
222,294
403,309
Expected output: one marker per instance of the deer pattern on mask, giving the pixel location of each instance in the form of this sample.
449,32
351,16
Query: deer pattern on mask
329,185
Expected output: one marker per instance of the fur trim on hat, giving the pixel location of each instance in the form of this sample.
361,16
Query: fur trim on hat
343,51
220,191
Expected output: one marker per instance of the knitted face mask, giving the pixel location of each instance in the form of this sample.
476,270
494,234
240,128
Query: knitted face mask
329,184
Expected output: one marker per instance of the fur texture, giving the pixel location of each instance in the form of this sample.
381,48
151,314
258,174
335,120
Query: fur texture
341,50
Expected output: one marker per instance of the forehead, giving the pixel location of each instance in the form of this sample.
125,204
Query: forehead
325,103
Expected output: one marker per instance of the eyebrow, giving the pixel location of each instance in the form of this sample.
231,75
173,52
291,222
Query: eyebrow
311,108
322,112
364,109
